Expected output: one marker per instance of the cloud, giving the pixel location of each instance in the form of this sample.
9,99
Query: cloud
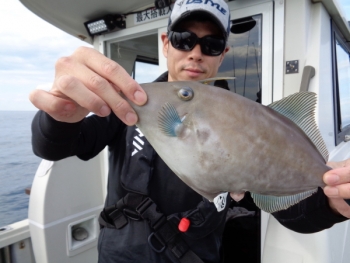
29,49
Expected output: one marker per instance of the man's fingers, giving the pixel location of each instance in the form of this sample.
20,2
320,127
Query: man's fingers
114,73
45,101
99,97
58,108
338,183
87,75
337,187
339,191
340,206
337,176
87,82
75,90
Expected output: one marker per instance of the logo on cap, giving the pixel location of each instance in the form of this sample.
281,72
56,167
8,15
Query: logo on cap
205,2
179,3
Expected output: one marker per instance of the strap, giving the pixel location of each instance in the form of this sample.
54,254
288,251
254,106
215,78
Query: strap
165,234
170,238
148,211
190,257
116,216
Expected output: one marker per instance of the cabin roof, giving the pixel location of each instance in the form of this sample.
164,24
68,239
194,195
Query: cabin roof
70,15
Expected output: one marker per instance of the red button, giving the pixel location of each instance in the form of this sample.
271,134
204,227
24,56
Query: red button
184,224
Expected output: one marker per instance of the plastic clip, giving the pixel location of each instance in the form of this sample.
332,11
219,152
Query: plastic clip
152,237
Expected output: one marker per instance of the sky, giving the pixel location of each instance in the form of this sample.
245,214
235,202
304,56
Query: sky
29,49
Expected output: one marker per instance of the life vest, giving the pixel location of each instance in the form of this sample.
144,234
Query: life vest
204,222
137,205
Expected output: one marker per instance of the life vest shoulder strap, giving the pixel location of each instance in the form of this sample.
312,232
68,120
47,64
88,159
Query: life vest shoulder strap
165,235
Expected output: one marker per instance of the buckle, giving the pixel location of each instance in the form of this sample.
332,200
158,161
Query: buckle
118,218
133,215
148,211
152,237
145,204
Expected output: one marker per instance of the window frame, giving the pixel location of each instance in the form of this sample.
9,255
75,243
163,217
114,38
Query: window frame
266,10
339,132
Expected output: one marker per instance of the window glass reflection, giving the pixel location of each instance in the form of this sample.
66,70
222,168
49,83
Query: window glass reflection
243,60
145,72
343,74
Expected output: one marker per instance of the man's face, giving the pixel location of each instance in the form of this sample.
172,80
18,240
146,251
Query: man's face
192,65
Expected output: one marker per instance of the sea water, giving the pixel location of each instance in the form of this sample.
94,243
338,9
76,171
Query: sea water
18,165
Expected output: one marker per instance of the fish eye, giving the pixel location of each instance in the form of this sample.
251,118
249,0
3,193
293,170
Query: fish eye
185,93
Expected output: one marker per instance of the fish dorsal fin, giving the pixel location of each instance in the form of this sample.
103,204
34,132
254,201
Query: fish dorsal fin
273,204
207,81
300,108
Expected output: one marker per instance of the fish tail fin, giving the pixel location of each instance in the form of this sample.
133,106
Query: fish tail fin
300,108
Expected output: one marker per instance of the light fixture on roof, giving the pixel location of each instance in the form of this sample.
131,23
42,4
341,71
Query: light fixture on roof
242,25
105,24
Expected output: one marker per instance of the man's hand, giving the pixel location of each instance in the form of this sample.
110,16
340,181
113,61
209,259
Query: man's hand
338,186
86,82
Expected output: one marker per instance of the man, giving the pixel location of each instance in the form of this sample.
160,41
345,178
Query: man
146,202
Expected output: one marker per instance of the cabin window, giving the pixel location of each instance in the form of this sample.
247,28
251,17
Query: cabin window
145,70
243,60
138,56
341,58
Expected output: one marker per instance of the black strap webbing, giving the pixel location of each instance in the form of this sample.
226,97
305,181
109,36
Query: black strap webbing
164,235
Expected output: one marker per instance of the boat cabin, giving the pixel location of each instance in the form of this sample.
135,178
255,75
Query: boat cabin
277,48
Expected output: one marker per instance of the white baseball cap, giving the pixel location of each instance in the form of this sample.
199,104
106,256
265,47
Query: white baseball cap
217,10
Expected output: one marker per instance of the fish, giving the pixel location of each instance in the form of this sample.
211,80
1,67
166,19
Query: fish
217,142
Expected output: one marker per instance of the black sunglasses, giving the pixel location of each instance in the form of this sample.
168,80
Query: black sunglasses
186,41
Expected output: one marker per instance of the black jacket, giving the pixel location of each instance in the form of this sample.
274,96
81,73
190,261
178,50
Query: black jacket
54,140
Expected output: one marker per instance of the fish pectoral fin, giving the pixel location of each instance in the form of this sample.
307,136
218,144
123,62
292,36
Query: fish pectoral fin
271,204
169,121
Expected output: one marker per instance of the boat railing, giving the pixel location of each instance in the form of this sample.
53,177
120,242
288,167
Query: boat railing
15,243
